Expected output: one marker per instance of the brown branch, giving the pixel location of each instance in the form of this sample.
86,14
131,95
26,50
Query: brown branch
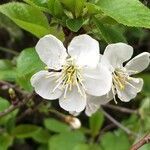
14,107
140,143
121,109
118,124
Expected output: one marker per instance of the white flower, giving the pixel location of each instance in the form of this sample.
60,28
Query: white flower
73,75
125,86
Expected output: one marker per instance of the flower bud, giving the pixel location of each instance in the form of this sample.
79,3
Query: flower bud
73,122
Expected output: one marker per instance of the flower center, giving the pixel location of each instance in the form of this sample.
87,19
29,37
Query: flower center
119,78
71,75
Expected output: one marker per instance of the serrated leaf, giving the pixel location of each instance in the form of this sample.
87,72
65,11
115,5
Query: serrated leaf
27,17
96,122
56,126
65,141
25,131
127,12
74,24
109,33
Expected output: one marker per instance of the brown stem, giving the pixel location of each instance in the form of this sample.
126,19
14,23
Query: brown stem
14,107
118,124
140,143
121,109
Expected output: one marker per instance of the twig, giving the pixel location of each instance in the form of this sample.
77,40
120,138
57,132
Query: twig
128,131
14,107
9,85
121,109
8,50
140,143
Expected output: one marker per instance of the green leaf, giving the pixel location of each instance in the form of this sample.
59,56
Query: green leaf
74,24
7,70
82,147
28,63
93,9
145,147
25,131
79,5
115,140
109,33
146,87
27,17
40,4
56,126
14,31
5,141
75,6
127,12
65,141
96,122
41,136
55,8
4,104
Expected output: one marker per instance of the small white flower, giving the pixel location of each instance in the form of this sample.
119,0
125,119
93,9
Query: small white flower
125,86
73,75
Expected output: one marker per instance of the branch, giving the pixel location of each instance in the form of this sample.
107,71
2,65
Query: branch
14,107
121,109
140,143
128,131
8,50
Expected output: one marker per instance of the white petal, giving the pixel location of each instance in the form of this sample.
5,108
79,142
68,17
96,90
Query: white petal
73,101
131,89
85,50
51,51
117,54
138,63
137,83
94,102
44,85
97,81
74,113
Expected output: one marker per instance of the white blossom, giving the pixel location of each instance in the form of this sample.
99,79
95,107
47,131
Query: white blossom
123,84
73,74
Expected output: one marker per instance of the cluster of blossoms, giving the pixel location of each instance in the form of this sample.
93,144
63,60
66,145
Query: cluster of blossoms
81,78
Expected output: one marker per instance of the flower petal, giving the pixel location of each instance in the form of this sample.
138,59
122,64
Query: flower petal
44,85
131,89
116,54
85,50
73,101
51,51
137,83
138,63
94,102
97,81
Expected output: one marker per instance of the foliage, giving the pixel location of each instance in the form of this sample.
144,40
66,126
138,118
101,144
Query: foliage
108,21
